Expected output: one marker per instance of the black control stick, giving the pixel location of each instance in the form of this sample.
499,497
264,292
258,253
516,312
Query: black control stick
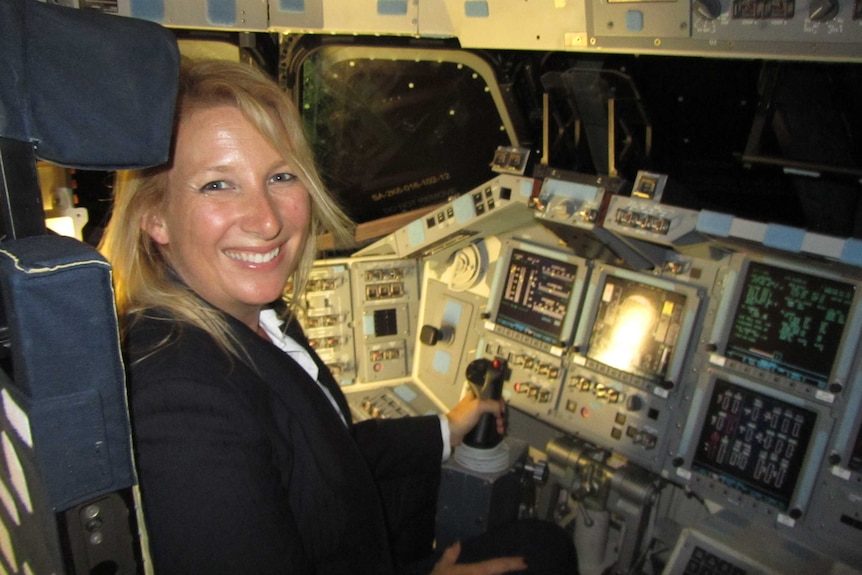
486,377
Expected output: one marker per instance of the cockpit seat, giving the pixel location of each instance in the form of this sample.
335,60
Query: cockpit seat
89,90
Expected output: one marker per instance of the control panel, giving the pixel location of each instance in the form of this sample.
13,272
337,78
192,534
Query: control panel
535,379
659,351
389,402
326,315
360,317
499,205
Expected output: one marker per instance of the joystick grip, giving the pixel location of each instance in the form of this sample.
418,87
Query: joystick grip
490,375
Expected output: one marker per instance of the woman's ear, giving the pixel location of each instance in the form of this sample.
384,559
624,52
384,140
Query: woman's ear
156,228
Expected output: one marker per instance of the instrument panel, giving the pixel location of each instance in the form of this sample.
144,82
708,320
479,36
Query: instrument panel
725,367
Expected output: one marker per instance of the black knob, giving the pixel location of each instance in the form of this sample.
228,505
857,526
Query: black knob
430,335
634,403
823,10
707,9
710,347
795,513
834,458
678,461
538,471
836,387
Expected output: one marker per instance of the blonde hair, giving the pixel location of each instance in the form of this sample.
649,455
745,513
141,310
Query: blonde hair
143,276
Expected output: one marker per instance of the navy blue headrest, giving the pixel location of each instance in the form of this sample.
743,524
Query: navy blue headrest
89,90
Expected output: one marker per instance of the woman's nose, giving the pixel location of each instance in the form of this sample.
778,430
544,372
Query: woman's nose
262,216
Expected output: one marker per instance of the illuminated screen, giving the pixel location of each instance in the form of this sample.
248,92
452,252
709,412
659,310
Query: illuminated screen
753,443
536,295
790,323
637,327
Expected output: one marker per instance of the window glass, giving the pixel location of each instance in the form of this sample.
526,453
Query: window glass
399,129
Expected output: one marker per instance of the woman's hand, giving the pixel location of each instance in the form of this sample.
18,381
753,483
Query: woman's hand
466,414
498,566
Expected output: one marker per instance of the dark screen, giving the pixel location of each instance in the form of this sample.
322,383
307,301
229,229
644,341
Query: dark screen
385,322
790,323
753,442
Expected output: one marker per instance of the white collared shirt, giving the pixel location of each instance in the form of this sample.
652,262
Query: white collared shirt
271,324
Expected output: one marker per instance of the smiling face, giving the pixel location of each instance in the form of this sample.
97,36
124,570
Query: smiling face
236,218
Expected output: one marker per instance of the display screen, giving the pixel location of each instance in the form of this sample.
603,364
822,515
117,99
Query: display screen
790,323
637,327
536,296
753,442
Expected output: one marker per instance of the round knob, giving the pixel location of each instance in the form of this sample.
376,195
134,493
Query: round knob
795,513
835,387
678,461
707,9
834,458
539,472
634,403
823,10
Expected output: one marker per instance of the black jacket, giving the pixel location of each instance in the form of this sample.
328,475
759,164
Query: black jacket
246,468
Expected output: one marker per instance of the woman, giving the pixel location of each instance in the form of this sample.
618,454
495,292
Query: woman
247,457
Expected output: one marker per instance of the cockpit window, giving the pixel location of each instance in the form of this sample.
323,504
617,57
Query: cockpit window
400,129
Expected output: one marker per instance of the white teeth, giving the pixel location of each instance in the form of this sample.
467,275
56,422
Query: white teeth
253,258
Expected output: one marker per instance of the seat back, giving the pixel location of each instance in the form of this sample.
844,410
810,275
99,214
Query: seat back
66,462
88,90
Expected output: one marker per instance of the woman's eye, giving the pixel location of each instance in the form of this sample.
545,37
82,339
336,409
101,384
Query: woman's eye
213,186
282,178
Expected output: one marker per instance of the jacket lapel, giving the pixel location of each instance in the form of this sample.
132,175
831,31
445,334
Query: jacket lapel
332,490
288,381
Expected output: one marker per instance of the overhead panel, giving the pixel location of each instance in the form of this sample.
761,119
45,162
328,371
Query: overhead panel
296,14
526,25
247,15
785,29
818,21
397,17
821,30
653,19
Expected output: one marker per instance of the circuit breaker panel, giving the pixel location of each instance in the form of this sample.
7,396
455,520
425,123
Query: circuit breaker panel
360,317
